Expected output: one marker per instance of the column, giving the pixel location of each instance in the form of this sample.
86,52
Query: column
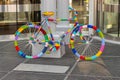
119,19
62,12
92,14
49,5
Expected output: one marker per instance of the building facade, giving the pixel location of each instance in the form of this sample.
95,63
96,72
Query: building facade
108,16
14,13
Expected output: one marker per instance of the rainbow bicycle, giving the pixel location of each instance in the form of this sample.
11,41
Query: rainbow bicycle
85,47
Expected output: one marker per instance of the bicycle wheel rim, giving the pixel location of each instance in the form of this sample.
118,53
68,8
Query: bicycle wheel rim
18,49
72,41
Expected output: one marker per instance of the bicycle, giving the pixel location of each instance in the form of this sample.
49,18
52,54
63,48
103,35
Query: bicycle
42,35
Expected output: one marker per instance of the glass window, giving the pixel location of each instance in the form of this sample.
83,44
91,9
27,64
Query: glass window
82,7
14,13
111,1
7,16
108,18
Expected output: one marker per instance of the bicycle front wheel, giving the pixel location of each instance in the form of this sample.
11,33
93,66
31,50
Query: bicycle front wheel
87,47
26,37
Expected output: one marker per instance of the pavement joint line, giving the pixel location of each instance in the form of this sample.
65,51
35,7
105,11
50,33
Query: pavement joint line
6,52
94,76
73,67
42,73
71,70
3,71
25,60
111,56
10,72
6,75
6,45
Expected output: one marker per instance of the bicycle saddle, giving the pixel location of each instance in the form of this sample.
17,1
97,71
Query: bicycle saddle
48,13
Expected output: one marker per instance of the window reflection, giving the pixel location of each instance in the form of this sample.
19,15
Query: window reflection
82,7
111,1
108,17
14,13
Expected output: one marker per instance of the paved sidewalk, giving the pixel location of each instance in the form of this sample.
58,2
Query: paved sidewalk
107,67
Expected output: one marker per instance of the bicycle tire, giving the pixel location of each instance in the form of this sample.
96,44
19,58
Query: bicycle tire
83,44
20,43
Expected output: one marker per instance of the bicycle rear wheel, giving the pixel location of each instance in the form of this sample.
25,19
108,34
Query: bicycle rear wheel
87,47
26,37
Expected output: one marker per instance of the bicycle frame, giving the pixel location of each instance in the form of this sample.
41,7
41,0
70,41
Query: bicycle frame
52,42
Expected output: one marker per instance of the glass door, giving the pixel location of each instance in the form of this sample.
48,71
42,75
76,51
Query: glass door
7,16
108,16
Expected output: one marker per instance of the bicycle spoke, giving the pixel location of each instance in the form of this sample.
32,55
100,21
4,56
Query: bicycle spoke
92,48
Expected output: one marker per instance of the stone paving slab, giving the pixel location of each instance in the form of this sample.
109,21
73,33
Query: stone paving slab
7,50
2,74
9,63
79,77
33,76
41,68
65,61
111,50
107,67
